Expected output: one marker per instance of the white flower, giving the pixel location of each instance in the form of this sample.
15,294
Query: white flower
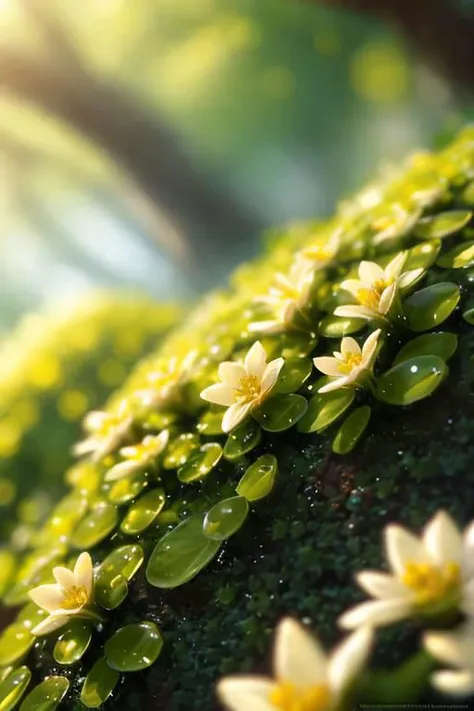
306,679
243,387
288,295
316,256
397,225
71,593
431,575
376,288
350,365
139,456
457,650
106,431
164,383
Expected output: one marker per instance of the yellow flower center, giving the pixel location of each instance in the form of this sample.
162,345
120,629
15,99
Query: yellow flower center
351,361
75,596
430,583
287,697
318,253
249,388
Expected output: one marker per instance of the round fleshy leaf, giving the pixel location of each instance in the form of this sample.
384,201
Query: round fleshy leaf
31,615
280,412
181,554
64,517
13,687
99,684
180,449
242,439
442,345
72,642
467,195
326,408
143,512
225,518
210,423
429,307
47,695
113,574
127,488
200,463
134,647
95,526
296,345
468,313
334,327
7,569
442,225
460,256
258,480
422,256
15,641
294,373
411,380
351,430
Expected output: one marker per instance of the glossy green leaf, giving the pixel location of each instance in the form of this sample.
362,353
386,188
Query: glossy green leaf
15,641
429,307
47,695
225,518
351,430
72,642
258,480
281,412
180,449
326,408
468,313
442,345
334,327
442,225
126,489
200,463
422,256
95,526
7,569
143,512
99,684
210,423
457,258
294,373
134,647
242,439
411,380
181,554
13,687
31,615
111,579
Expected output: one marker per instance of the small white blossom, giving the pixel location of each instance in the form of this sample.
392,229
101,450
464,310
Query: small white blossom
376,288
397,225
316,256
456,649
431,575
306,679
165,382
106,432
66,598
139,456
288,296
243,387
349,366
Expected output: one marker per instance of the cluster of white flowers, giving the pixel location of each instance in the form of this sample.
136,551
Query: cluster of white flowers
432,579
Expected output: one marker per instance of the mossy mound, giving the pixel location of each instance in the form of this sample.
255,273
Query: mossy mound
275,517
53,368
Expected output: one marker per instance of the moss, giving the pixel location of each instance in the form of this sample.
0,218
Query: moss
300,546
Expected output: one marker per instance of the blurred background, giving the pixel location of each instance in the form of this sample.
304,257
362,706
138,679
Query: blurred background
146,144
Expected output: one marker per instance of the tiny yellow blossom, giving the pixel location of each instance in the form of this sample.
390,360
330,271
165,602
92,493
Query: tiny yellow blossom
139,456
288,296
165,382
106,431
349,366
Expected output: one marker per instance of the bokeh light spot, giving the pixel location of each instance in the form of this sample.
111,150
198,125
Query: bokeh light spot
379,72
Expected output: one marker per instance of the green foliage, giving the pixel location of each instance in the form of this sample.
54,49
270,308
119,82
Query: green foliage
202,546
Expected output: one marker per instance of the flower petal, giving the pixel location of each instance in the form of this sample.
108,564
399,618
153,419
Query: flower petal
336,384
49,597
235,415
219,394
370,272
95,420
349,345
266,327
256,360
349,658
403,547
408,279
299,657
246,692
394,268
327,365
370,347
456,648
270,375
387,297
64,577
230,373
352,286
118,471
456,683
355,311
380,585
51,623
442,539
376,614
84,572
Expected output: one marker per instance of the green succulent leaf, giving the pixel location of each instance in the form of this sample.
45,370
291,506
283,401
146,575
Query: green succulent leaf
225,518
15,641
95,526
411,380
326,408
200,463
242,439
457,258
258,480
443,345
72,642
47,695
351,430
429,307
281,412
443,224
99,684
13,687
334,327
143,512
134,647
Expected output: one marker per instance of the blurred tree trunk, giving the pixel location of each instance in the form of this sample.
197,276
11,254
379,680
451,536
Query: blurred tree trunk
216,231
440,31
